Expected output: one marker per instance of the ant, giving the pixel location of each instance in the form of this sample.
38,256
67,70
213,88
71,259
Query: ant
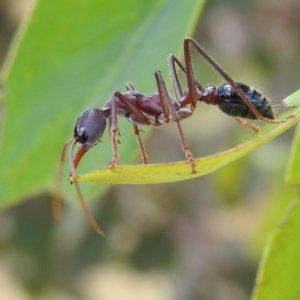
233,98
154,109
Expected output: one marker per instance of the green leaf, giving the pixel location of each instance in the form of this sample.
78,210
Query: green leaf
279,270
292,100
162,173
68,55
292,176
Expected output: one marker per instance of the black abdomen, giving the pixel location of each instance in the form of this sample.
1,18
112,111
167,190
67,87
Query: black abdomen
233,105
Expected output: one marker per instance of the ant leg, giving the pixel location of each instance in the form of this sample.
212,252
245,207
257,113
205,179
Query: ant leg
168,110
140,142
244,123
190,74
172,61
176,84
192,89
113,129
139,117
183,99
129,87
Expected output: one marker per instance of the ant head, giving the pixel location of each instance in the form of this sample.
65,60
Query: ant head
88,130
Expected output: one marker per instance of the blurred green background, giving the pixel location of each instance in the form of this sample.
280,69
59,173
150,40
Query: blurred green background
198,239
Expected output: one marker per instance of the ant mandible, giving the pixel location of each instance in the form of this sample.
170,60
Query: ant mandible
235,99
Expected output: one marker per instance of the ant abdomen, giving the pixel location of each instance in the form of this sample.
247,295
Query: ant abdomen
231,103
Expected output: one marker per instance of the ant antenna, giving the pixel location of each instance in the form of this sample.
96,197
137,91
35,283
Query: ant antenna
83,204
56,201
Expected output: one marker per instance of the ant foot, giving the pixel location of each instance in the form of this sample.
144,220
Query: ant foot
193,166
244,123
255,128
286,119
279,121
113,163
191,161
290,117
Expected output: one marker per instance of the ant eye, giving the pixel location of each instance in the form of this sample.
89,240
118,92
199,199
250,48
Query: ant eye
82,135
